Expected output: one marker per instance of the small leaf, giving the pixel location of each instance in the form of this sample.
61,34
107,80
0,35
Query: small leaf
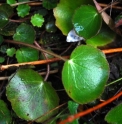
86,21
2,59
23,10
37,20
3,19
5,116
64,12
11,1
114,115
10,52
73,106
85,74
26,54
49,4
1,39
104,37
25,33
30,96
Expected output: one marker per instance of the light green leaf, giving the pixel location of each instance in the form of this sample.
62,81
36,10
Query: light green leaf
30,96
64,12
114,115
11,1
37,20
26,54
85,74
23,10
5,116
25,33
86,21
10,52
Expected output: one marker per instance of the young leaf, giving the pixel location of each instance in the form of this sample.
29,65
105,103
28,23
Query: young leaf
23,10
30,96
10,52
64,11
85,74
114,115
5,116
37,20
26,54
86,21
25,33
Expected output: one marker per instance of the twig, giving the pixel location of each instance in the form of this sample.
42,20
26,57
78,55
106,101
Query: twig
80,114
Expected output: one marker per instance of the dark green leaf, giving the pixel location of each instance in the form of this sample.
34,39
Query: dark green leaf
3,19
85,74
23,10
25,33
2,59
114,115
11,1
30,96
87,21
1,39
5,116
26,54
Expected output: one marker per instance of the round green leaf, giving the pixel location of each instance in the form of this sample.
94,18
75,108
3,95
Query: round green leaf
27,54
85,74
30,96
25,33
10,52
11,1
23,10
104,37
5,116
114,115
3,19
86,21
2,59
64,11
37,20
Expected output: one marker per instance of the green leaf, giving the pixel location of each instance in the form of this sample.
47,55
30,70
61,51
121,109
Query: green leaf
26,54
1,39
30,96
37,20
73,106
3,19
114,115
7,9
25,33
104,37
10,52
64,11
23,10
86,21
2,59
49,4
85,74
5,116
11,1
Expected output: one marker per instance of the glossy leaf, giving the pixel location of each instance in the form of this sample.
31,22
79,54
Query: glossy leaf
114,115
30,96
87,21
104,37
64,12
85,74
5,116
10,52
3,19
26,54
7,9
37,20
25,33
23,10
